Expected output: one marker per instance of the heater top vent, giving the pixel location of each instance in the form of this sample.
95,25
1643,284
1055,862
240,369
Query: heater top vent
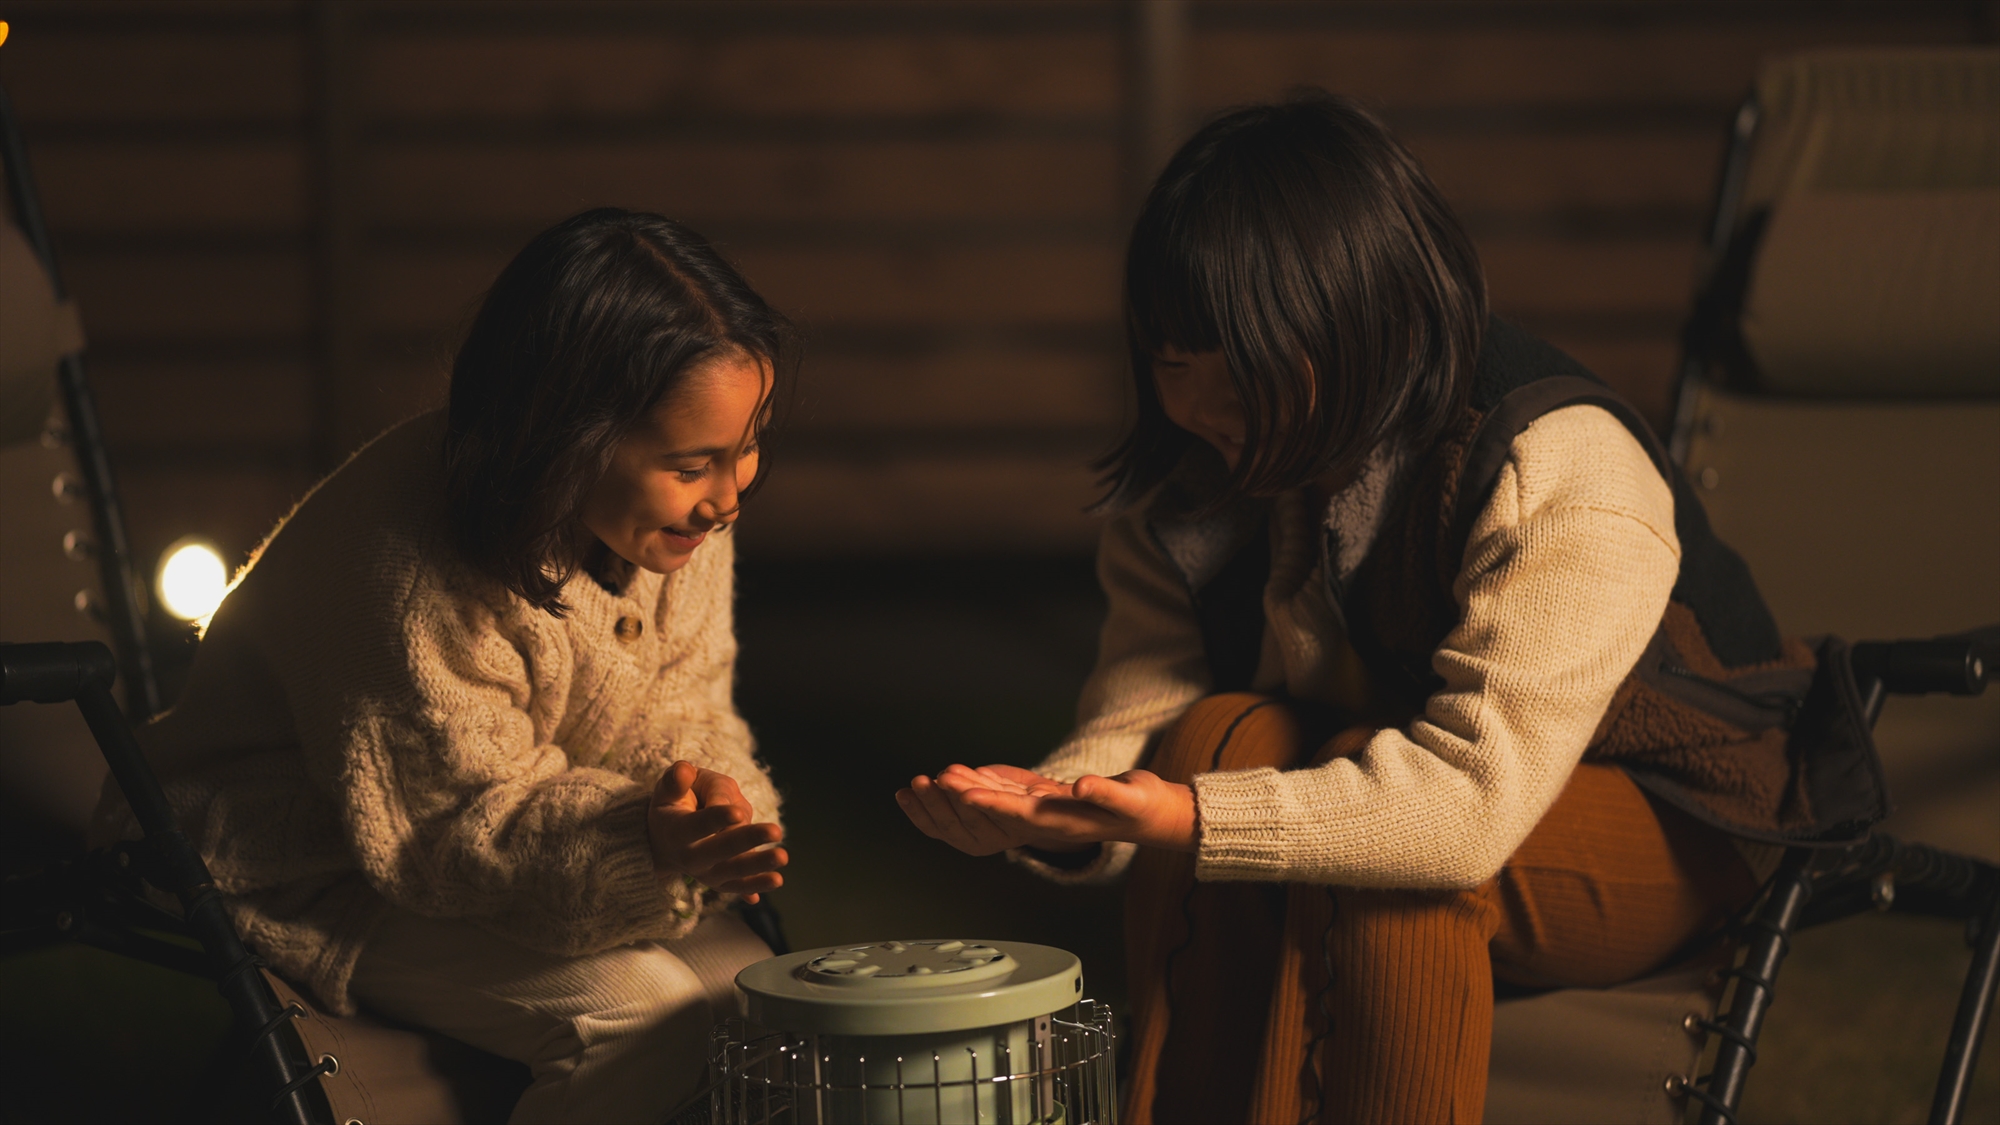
910,987
908,964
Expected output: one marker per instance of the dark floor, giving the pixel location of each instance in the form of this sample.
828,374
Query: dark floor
857,676
1859,1026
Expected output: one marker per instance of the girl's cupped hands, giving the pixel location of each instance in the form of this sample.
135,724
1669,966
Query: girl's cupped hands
993,808
699,825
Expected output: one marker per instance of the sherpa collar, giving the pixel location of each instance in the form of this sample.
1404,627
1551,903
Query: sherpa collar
1200,540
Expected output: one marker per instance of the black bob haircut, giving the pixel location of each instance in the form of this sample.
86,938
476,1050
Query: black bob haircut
590,326
1306,244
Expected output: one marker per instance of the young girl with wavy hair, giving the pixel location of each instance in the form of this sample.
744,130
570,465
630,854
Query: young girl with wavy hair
1434,669
460,746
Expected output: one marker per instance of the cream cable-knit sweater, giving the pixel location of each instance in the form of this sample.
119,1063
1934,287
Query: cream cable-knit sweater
369,723
1566,574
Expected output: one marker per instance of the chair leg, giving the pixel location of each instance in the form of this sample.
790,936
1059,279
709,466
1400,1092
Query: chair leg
1721,1089
1975,1005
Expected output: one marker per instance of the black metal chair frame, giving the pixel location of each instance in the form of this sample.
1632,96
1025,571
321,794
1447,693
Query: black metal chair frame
1818,885
99,899
1813,886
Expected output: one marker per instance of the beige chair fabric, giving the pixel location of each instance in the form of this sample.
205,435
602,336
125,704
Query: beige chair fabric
1879,294
1597,1055
391,1075
36,330
1878,274
51,770
1919,118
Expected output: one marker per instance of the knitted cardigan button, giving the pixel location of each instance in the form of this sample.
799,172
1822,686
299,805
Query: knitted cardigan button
629,629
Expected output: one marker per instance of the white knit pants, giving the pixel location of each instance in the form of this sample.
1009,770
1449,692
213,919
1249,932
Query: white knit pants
617,1036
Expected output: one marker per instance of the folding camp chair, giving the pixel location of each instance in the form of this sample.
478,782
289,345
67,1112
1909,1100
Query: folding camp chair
80,899
1837,413
1840,412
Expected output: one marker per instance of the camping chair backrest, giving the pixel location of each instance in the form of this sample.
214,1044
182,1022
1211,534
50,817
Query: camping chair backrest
1873,191
60,505
1841,419
1844,427
50,773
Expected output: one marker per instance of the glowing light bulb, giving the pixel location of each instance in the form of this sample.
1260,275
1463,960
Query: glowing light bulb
192,580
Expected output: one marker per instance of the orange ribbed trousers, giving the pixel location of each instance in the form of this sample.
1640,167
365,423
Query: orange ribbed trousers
1284,1003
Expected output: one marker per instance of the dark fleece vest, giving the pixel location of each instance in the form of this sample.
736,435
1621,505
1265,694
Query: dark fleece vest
1724,717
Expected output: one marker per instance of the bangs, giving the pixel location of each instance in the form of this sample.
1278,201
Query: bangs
1169,305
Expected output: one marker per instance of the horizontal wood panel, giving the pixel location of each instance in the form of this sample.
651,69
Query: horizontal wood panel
236,508
149,187
745,182
1544,276
152,16
111,76
189,295
1062,393
932,191
385,390
1052,283
434,294
1016,504
154,406
441,75
995,387
1445,66
1542,174
1046,284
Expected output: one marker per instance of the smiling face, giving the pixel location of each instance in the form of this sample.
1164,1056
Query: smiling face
1196,394
680,473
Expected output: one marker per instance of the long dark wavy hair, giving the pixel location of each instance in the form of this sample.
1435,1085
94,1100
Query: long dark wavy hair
590,326
1307,245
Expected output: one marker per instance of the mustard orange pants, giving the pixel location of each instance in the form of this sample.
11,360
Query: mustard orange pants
1283,1003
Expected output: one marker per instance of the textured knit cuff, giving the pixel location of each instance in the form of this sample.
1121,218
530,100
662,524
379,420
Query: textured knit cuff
1242,826
671,903
1111,861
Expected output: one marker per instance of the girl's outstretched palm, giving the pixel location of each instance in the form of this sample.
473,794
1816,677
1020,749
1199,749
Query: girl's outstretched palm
993,808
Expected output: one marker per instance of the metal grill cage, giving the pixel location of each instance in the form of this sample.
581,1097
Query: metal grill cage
1053,1070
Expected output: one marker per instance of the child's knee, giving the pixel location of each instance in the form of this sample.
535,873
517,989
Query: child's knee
1391,922
1234,730
627,1040
641,993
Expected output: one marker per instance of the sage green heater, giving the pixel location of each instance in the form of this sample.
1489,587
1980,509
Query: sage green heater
918,1032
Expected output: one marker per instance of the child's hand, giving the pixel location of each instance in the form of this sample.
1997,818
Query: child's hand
699,826
993,808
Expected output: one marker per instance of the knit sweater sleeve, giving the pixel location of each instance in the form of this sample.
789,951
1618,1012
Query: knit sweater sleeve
1566,574
1150,668
440,752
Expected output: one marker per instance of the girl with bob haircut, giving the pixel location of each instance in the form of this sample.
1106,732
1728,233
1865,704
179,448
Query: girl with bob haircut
460,743
1435,670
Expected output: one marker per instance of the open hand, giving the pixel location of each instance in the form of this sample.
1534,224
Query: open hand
699,825
993,808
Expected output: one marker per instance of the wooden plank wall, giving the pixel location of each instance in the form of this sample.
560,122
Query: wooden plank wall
277,216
